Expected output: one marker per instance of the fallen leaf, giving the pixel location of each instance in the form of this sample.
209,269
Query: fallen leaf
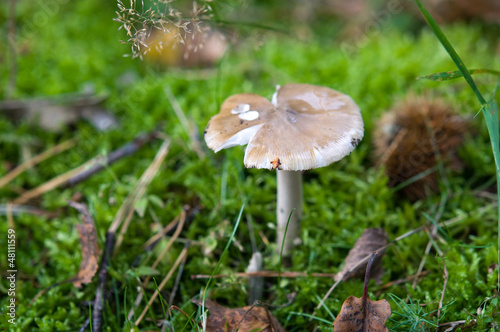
352,315
246,319
90,249
363,314
371,240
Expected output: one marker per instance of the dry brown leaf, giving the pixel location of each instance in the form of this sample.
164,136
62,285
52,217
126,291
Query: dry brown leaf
352,316
246,319
90,249
371,240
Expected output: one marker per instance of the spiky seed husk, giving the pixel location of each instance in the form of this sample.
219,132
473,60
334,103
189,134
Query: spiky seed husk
412,137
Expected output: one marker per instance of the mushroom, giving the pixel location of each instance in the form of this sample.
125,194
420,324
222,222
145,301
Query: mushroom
303,127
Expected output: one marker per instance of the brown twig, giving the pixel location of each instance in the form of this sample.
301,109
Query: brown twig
5,209
35,160
404,280
266,274
67,178
122,152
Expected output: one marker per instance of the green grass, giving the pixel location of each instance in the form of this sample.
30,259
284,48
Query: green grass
79,46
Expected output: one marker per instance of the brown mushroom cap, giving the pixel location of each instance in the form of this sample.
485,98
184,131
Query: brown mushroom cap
310,126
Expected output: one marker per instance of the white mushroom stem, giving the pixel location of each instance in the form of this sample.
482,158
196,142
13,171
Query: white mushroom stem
289,198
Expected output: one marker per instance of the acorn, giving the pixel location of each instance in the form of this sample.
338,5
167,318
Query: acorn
412,138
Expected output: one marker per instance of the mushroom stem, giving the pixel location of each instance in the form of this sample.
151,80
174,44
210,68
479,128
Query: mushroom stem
289,198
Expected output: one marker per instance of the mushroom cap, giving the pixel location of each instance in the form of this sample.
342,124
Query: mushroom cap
306,126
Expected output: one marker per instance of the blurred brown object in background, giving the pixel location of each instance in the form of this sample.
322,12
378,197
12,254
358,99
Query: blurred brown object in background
412,138
184,47
445,11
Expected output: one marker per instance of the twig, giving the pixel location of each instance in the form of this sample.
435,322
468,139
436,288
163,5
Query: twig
404,280
122,152
445,277
35,160
163,283
267,274
10,219
101,287
128,206
422,263
67,177
19,209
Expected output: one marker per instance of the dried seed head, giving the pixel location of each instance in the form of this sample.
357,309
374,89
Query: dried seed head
412,137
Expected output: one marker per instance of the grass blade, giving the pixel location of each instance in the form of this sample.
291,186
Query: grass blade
490,109
451,75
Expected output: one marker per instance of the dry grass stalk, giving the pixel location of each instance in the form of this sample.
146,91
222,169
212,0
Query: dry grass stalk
35,160
177,262
126,210
140,22
158,259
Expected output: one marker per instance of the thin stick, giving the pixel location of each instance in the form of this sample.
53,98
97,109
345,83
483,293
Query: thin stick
10,219
101,286
67,178
19,209
404,280
163,283
53,183
35,160
267,274
422,263
445,277
122,152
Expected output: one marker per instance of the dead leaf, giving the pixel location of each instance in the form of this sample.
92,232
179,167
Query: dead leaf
363,314
352,316
90,249
246,319
371,240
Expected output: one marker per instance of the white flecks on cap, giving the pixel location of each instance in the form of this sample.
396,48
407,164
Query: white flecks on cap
241,108
308,127
249,116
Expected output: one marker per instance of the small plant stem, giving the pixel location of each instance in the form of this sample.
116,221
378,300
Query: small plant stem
365,289
289,198
445,277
